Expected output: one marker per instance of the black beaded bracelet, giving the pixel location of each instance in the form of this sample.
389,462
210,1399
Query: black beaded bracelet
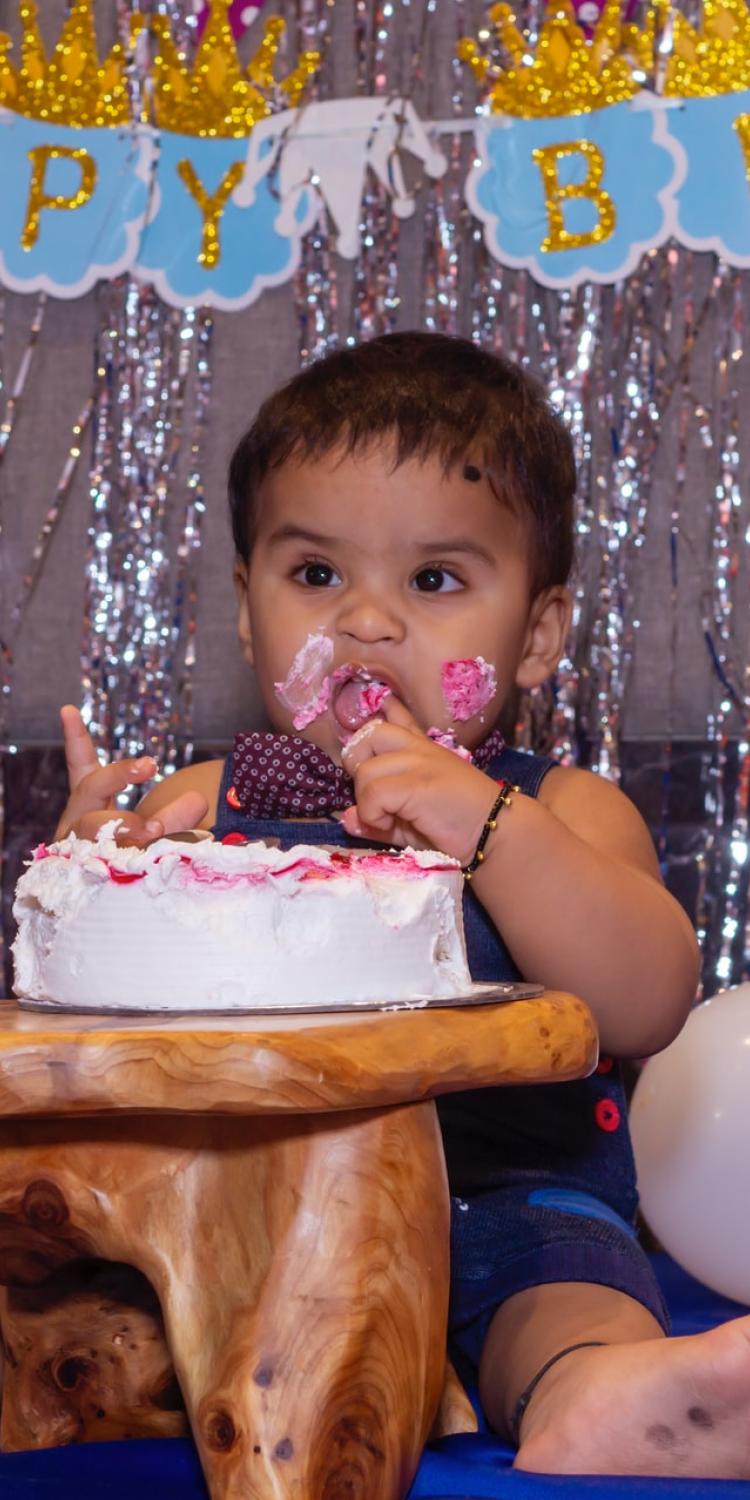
503,799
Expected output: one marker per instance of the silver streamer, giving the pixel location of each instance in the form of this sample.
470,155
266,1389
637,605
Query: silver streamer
316,281
725,873
178,738
445,212
377,266
139,602
153,381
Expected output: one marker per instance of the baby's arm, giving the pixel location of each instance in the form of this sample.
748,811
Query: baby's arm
174,805
570,878
572,881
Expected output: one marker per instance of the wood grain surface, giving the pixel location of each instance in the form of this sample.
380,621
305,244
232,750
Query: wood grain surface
87,1360
249,1215
67,1064
301,1269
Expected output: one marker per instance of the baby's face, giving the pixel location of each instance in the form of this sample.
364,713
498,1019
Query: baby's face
393,573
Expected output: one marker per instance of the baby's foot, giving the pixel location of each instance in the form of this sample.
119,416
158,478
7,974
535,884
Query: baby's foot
677,1407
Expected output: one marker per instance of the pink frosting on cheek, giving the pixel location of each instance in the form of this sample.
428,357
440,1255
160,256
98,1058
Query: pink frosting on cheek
468,686
447,739
306,689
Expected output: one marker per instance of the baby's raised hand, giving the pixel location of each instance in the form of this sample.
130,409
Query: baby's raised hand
409,790
94,788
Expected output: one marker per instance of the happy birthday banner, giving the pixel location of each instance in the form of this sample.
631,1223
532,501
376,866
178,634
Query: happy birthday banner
579,168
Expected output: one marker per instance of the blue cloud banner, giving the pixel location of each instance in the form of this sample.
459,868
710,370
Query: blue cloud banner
577,197
200,246
81,205
73,203
214,221
714,201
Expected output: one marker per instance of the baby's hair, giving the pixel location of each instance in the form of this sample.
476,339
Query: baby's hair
426,394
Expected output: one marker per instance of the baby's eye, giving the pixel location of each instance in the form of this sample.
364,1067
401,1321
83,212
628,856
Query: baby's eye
317,575
434,580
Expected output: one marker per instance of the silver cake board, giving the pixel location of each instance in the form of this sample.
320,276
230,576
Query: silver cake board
477,994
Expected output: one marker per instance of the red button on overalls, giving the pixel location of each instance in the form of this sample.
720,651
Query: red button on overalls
606,1114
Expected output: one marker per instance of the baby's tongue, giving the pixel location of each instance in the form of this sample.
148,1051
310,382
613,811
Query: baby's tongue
358,700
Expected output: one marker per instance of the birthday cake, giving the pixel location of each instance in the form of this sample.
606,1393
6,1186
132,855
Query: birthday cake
211,926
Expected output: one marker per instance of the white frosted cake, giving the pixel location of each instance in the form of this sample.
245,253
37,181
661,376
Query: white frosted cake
210,926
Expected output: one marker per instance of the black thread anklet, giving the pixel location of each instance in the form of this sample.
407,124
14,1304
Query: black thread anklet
525,1396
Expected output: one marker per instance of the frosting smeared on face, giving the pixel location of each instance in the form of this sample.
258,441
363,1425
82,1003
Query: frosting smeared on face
372,697
447,739
468,686
306,689
357,696
310,688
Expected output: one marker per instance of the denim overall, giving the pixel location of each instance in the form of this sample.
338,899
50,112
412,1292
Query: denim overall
542,1177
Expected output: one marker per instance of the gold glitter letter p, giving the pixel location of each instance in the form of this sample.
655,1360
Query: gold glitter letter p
39,156
557,193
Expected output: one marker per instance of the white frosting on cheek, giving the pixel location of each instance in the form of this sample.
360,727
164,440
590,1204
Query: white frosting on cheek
306,689
469,685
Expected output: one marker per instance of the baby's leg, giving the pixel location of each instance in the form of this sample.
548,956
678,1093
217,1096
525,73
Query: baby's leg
638,1404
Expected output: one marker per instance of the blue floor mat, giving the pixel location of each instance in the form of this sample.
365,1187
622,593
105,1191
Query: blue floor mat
469,1467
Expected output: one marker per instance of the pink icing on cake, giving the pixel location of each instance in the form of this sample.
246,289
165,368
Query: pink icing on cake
468,686
199,867
213,926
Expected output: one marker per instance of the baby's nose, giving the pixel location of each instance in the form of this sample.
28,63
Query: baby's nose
370,616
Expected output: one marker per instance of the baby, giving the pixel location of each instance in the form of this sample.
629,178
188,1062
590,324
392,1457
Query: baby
402,518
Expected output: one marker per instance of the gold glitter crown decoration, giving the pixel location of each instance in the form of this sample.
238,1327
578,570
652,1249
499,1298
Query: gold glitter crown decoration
712,59
213,95
72,86
565,75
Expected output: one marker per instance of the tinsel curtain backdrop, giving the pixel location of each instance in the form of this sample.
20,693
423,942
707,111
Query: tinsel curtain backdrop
118,413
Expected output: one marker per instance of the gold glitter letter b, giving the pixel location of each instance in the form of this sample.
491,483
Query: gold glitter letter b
211,206
39,156
557,193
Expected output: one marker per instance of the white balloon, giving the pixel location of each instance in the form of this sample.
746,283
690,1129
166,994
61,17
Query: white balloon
690,1125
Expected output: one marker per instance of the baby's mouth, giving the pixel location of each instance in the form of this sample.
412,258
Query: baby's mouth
358,695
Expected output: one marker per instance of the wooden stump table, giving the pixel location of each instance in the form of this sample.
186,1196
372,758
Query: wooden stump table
243,1223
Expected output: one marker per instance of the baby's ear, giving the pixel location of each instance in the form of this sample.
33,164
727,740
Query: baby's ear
244,629
546,633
